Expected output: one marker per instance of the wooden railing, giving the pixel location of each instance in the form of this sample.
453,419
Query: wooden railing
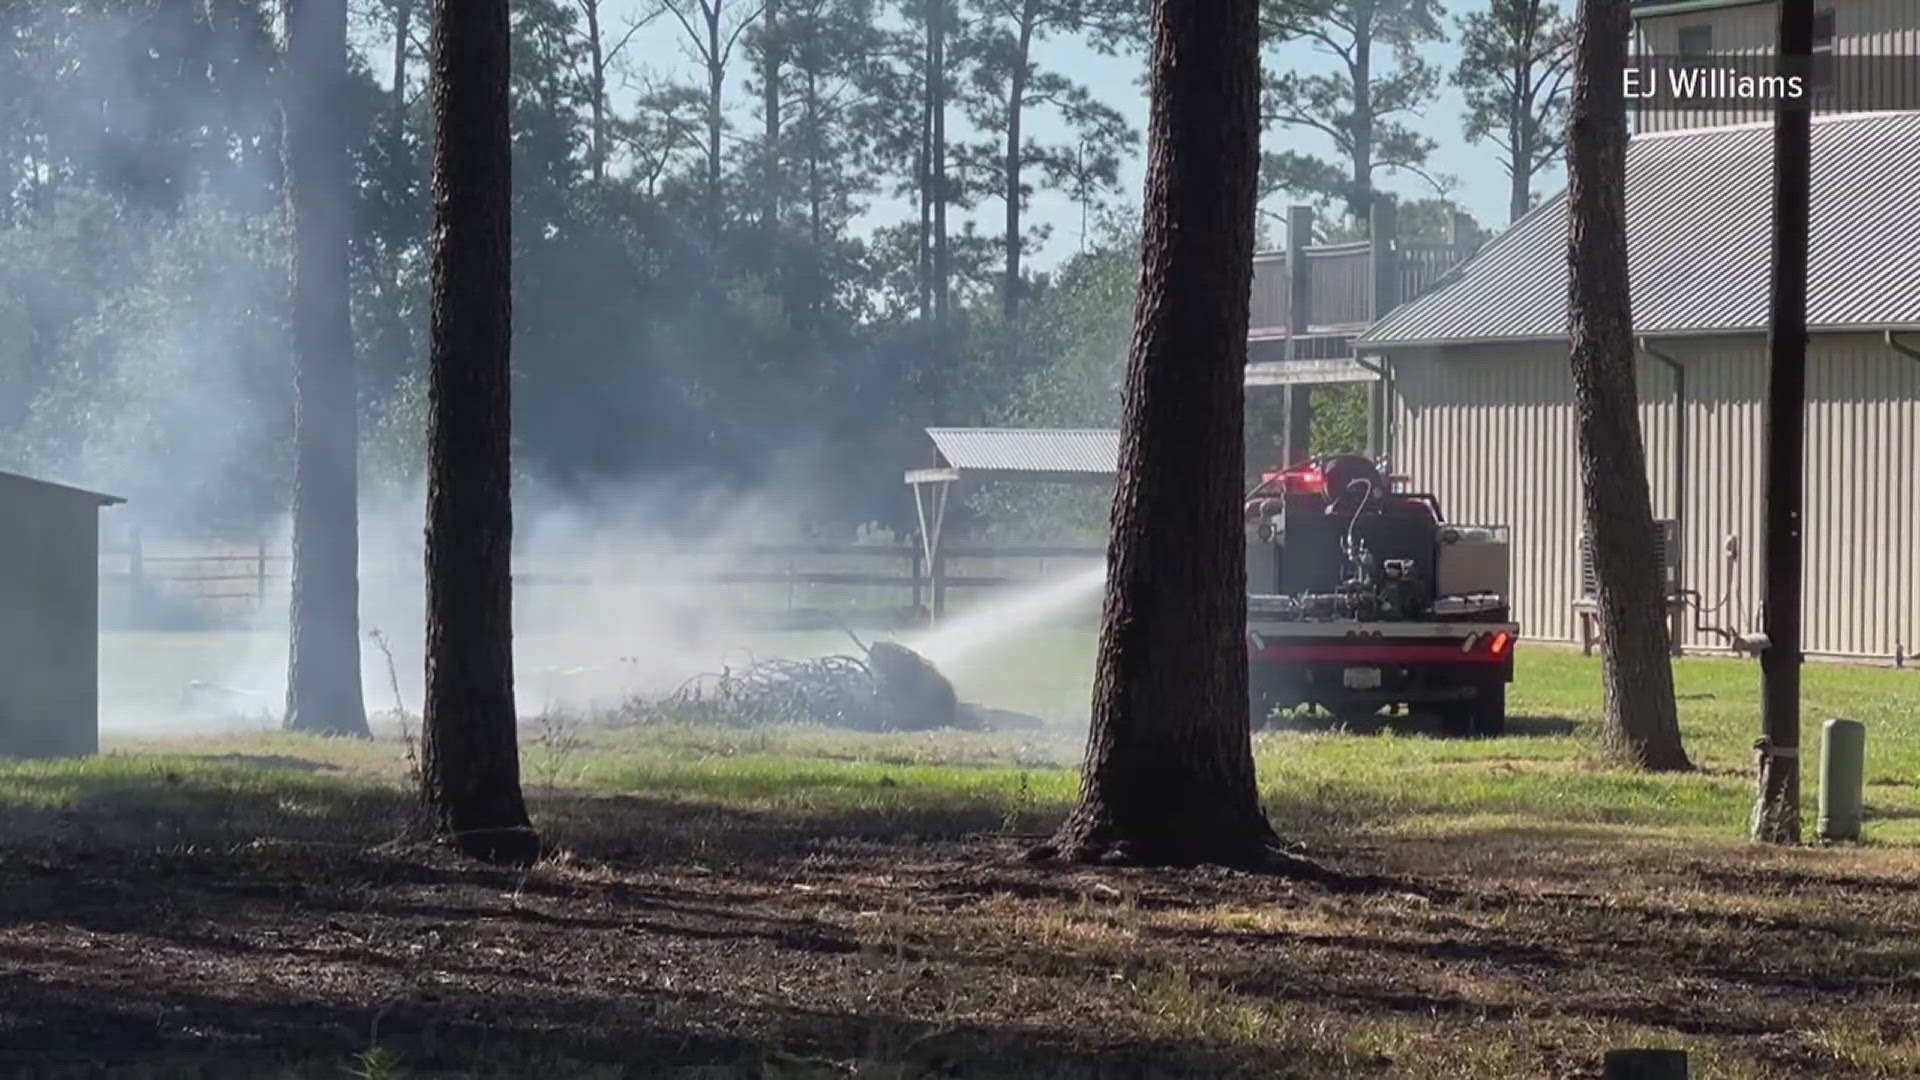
1341,290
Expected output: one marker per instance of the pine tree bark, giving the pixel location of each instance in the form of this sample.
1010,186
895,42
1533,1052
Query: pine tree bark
470,761
397,105
1169,775
1641,721
599,148
323,663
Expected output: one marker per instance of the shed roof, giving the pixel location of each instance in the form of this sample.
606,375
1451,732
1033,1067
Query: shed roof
1088,452
97,497
1699,222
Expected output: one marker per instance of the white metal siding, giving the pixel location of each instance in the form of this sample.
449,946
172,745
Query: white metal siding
1861,28
1489,431
1746,30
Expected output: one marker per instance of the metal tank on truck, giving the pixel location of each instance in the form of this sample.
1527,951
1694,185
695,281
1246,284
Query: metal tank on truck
1363,598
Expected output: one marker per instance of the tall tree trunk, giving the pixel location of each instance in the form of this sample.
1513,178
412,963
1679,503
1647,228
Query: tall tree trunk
815,198
1642,726
1169,775
924,169
1520,175
1016,106
470,757
716,89
770,150
937,146
397,103
816,228
323,662
596,89
1360,197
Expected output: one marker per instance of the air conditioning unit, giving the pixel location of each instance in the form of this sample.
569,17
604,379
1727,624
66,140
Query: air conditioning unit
1666,542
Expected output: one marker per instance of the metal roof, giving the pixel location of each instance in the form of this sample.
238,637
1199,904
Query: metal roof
1080,451
1699,224
66,489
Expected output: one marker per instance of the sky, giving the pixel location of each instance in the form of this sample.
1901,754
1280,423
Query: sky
1481,179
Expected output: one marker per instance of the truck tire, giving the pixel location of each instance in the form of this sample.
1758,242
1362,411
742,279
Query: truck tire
1483,716
1268,692
1488,712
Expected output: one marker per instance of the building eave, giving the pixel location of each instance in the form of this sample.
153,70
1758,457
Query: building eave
1374,347
1683,7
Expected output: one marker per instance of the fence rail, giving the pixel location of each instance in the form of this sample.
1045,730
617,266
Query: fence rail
189,582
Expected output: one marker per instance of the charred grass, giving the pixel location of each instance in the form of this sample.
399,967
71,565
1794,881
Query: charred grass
796,903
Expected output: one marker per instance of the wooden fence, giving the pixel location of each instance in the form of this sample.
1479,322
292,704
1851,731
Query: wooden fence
202,582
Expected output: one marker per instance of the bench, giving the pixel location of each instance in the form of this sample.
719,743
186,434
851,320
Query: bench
1587,610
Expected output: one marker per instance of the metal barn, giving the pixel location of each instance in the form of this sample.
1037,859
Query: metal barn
1481,393
49,618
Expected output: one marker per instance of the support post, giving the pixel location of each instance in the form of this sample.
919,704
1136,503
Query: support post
1298,443
931,512
1384,261
913,570
1462,236
1376,419
1299,276
260,573
938,576
136,579
1776,815
1384,256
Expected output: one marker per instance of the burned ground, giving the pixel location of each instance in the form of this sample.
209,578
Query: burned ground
219,916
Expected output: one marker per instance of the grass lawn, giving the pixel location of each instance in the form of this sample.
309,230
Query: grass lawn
800,902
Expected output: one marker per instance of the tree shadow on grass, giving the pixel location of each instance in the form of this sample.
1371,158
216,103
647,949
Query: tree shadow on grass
67,1028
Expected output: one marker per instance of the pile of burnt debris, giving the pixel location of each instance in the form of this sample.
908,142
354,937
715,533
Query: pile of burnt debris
888,687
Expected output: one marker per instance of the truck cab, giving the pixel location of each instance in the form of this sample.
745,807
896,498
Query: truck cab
1362,597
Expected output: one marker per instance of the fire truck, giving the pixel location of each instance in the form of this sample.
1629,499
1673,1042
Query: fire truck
1363,598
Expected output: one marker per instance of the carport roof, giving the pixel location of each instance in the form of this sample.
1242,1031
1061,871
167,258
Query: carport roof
1699,223
1035,453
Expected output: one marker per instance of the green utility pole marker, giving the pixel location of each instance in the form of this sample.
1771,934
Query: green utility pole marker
1843,770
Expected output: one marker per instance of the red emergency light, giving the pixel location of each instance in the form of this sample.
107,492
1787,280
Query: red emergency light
1304,480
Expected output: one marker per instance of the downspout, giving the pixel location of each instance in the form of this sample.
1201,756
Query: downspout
1381,431
1679,457
1893,342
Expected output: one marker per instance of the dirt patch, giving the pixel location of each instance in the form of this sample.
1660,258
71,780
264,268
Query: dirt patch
671,939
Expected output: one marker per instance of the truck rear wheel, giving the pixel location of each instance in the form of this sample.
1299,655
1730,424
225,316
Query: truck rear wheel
1483,716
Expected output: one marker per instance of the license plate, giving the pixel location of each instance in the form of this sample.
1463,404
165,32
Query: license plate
1363,678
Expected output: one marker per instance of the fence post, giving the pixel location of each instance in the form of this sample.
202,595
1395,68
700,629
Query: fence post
913,564
260,575
937,575
136,579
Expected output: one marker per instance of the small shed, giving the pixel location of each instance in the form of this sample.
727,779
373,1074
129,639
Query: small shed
49,618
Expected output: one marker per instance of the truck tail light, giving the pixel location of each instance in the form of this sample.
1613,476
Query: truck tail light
1501,639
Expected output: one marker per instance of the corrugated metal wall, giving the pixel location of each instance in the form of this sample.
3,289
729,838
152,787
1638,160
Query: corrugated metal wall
1745,30
1861,28
1490,432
